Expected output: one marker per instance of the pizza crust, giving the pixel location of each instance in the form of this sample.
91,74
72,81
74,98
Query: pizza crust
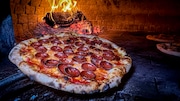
161,38
168,50
114,77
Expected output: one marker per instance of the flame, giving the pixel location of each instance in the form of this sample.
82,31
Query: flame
62,5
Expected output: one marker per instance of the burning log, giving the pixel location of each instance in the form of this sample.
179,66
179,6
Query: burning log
63,19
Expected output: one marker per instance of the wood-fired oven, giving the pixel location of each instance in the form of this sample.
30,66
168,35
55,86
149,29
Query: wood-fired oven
154,75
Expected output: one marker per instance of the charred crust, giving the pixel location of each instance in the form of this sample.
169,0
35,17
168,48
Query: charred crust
66,78
60,86
90,92
51,84
94,91
105,88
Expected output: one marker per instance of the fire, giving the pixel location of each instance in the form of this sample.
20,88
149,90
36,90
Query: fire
62,5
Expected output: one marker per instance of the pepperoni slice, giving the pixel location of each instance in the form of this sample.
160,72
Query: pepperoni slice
90,42
56,48
43,41
98,41
41,49
50,63
68,52
96,62
71,71
98,57
36,44
80,44
84,38
88,67
67,47
88,75
95,59
79,58
66,61
82,49
55,40
106,65
108,55
73,38
82,53
107,45
68,70
62,67
41,55
60,55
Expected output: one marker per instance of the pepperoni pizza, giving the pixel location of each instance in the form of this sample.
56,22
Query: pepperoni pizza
76,63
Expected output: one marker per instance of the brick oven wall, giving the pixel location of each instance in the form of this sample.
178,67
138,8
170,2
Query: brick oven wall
121,15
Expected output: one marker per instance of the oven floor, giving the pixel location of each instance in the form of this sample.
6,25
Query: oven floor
153,76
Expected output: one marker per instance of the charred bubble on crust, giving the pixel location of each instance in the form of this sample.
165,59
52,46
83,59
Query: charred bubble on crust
66,78
94,91
105,88
60,86
51,84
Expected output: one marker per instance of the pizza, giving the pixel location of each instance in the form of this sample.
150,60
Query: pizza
75,63
161,38
169,48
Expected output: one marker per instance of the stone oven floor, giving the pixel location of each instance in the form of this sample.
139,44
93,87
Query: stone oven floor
153,76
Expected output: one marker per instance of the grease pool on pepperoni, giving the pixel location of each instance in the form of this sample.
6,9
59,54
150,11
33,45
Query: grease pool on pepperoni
96,59
88,67
68,50
69,70
82,49
43,41
108,54
81,53
79,58
55,40
106,65
56,48
36,44
50,62
88,75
